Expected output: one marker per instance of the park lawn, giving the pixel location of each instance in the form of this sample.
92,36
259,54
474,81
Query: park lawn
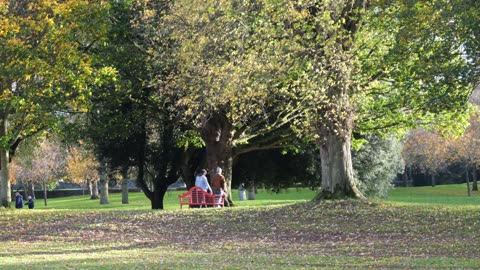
448,195
293,234
138,201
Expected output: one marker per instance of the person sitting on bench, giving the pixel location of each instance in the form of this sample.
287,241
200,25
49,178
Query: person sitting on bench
202,181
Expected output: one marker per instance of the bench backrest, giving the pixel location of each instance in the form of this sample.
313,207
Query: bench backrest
197,194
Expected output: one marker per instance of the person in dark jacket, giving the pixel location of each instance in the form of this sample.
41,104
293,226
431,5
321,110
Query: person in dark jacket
18,200
218,185
30,202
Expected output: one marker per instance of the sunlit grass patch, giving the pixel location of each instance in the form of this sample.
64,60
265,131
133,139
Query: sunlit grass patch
138,201
453,195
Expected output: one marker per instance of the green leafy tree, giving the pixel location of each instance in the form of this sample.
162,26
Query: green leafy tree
377,163
244,71
374,65
231,83
44,68
129,120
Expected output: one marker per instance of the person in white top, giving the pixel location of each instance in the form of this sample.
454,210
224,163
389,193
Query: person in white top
201,181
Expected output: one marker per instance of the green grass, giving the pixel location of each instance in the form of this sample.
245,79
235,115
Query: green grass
138,201
416,228
447,195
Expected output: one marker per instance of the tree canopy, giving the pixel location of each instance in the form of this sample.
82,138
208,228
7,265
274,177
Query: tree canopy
44,68
329,69
379,64
239,75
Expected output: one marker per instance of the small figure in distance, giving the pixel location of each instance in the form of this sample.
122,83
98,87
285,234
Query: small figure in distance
30,202
218,185
18,200
201,181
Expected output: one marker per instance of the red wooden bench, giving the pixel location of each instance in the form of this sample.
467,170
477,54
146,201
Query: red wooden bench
197,196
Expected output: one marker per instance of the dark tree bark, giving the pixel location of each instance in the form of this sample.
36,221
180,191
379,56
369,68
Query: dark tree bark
192,159
163,155
217,135
90,187
158,194
474,175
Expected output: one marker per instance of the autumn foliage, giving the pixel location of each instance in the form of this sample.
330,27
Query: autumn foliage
82,166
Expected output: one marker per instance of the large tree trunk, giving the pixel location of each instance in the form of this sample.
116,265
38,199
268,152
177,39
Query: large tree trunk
217,135
221,157
124,174
334,127
157,196
334,67
192,160
103,183
165,162
337,170
5,188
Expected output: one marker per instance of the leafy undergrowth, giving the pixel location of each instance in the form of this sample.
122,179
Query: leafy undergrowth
328,235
